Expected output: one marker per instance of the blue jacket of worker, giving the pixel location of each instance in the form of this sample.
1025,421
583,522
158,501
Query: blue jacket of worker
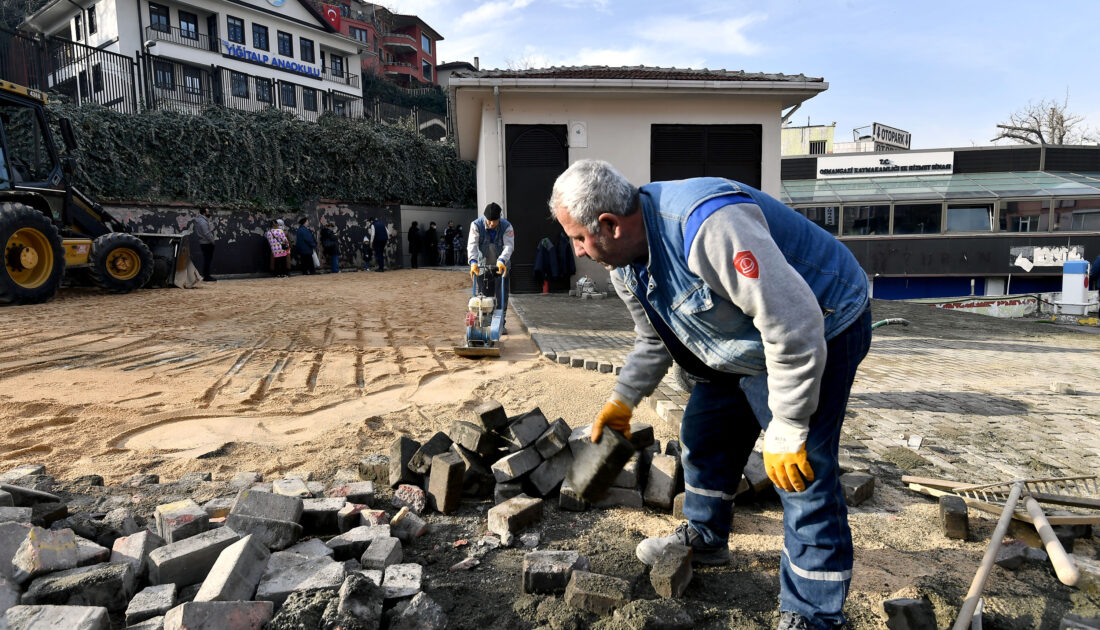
686,304
305,243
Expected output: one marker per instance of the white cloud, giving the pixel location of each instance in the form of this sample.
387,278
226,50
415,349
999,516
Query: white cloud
713,36
490,12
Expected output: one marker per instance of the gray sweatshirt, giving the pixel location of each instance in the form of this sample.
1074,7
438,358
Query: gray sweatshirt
203,231
784,310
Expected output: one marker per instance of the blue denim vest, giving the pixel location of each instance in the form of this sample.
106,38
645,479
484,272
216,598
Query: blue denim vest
712,328
483,240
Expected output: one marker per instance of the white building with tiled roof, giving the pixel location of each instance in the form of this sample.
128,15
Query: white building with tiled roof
524,127
245,54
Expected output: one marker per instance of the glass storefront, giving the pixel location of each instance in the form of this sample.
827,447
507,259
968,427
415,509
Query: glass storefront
865,220
1076,215
1032,215
824,216
970,218
918,218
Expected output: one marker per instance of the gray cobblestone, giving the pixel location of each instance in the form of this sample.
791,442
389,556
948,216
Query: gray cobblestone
976,389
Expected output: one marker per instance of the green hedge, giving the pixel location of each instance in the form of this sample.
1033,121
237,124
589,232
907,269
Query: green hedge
267,160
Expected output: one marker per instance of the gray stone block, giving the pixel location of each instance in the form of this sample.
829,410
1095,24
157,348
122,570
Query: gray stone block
354,542
267,505
514,515
288,572
181,519
641,435
554,439
420,613
421,461
88,553
569,499
445,482
360,602
678,505
6,499
402,580
236,573
106,585
311,548
135,549
401,451
152,602
525,428
219,616
12,536
155,623
620,498
665,479
291,487
506,490
629,476
1013,555
16,514
597,465
407,526
43,551
360,492
376,468
595,593
550,571
139,480
243,480
672,573
673,448
858,487
381,553
269,532
50,617
188,561
909,614
954,517
756,474
516,465
218,507
320,517
491,416
551,473
473,437
477,478
580,439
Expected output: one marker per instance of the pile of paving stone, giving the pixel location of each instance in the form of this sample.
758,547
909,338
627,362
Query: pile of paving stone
293,552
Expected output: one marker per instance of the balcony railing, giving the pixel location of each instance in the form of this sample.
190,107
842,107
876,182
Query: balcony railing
398,40
345,78
174,35
398,67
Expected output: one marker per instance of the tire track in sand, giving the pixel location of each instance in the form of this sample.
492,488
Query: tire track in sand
212,392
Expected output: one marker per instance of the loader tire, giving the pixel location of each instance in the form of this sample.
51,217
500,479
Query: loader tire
33,257
121,262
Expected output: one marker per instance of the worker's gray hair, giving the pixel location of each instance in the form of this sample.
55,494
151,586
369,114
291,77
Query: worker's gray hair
589,188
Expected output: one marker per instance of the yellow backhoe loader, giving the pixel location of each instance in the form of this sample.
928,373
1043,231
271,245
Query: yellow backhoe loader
47,226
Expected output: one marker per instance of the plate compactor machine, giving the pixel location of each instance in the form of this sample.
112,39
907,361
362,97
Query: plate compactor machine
49,228
484,317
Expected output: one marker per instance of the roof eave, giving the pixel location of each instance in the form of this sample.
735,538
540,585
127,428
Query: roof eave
794,92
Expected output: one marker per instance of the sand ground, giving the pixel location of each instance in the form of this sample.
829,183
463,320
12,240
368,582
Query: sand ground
312,373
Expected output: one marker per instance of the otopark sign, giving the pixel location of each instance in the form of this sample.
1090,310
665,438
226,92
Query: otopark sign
240,52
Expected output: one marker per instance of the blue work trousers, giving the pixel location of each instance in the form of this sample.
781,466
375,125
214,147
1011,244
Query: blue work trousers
718,431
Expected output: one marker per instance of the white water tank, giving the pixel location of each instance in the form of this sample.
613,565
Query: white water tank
1075,284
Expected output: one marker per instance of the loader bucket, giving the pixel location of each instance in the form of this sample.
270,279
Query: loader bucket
172,258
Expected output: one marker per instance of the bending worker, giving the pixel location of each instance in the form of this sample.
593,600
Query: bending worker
771,313
490,243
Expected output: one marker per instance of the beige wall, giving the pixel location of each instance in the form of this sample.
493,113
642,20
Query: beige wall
619,132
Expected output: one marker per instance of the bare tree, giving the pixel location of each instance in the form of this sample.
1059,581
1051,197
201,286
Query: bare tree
1045,122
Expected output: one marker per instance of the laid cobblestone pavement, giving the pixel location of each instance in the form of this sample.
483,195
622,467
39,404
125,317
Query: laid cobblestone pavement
977,390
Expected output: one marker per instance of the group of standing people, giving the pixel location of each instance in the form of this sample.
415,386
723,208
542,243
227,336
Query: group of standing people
435,249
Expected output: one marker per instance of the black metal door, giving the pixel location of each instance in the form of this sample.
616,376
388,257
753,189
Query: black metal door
683,151
535,156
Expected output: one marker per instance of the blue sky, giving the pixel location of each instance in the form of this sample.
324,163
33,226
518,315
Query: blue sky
946,71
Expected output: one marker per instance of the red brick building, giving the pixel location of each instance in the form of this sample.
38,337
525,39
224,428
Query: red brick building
400,48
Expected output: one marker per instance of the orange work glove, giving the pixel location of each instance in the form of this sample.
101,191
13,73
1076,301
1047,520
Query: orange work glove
473,269
785,458
614,415
502,268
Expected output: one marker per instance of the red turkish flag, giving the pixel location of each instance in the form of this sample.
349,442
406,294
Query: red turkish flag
332,15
